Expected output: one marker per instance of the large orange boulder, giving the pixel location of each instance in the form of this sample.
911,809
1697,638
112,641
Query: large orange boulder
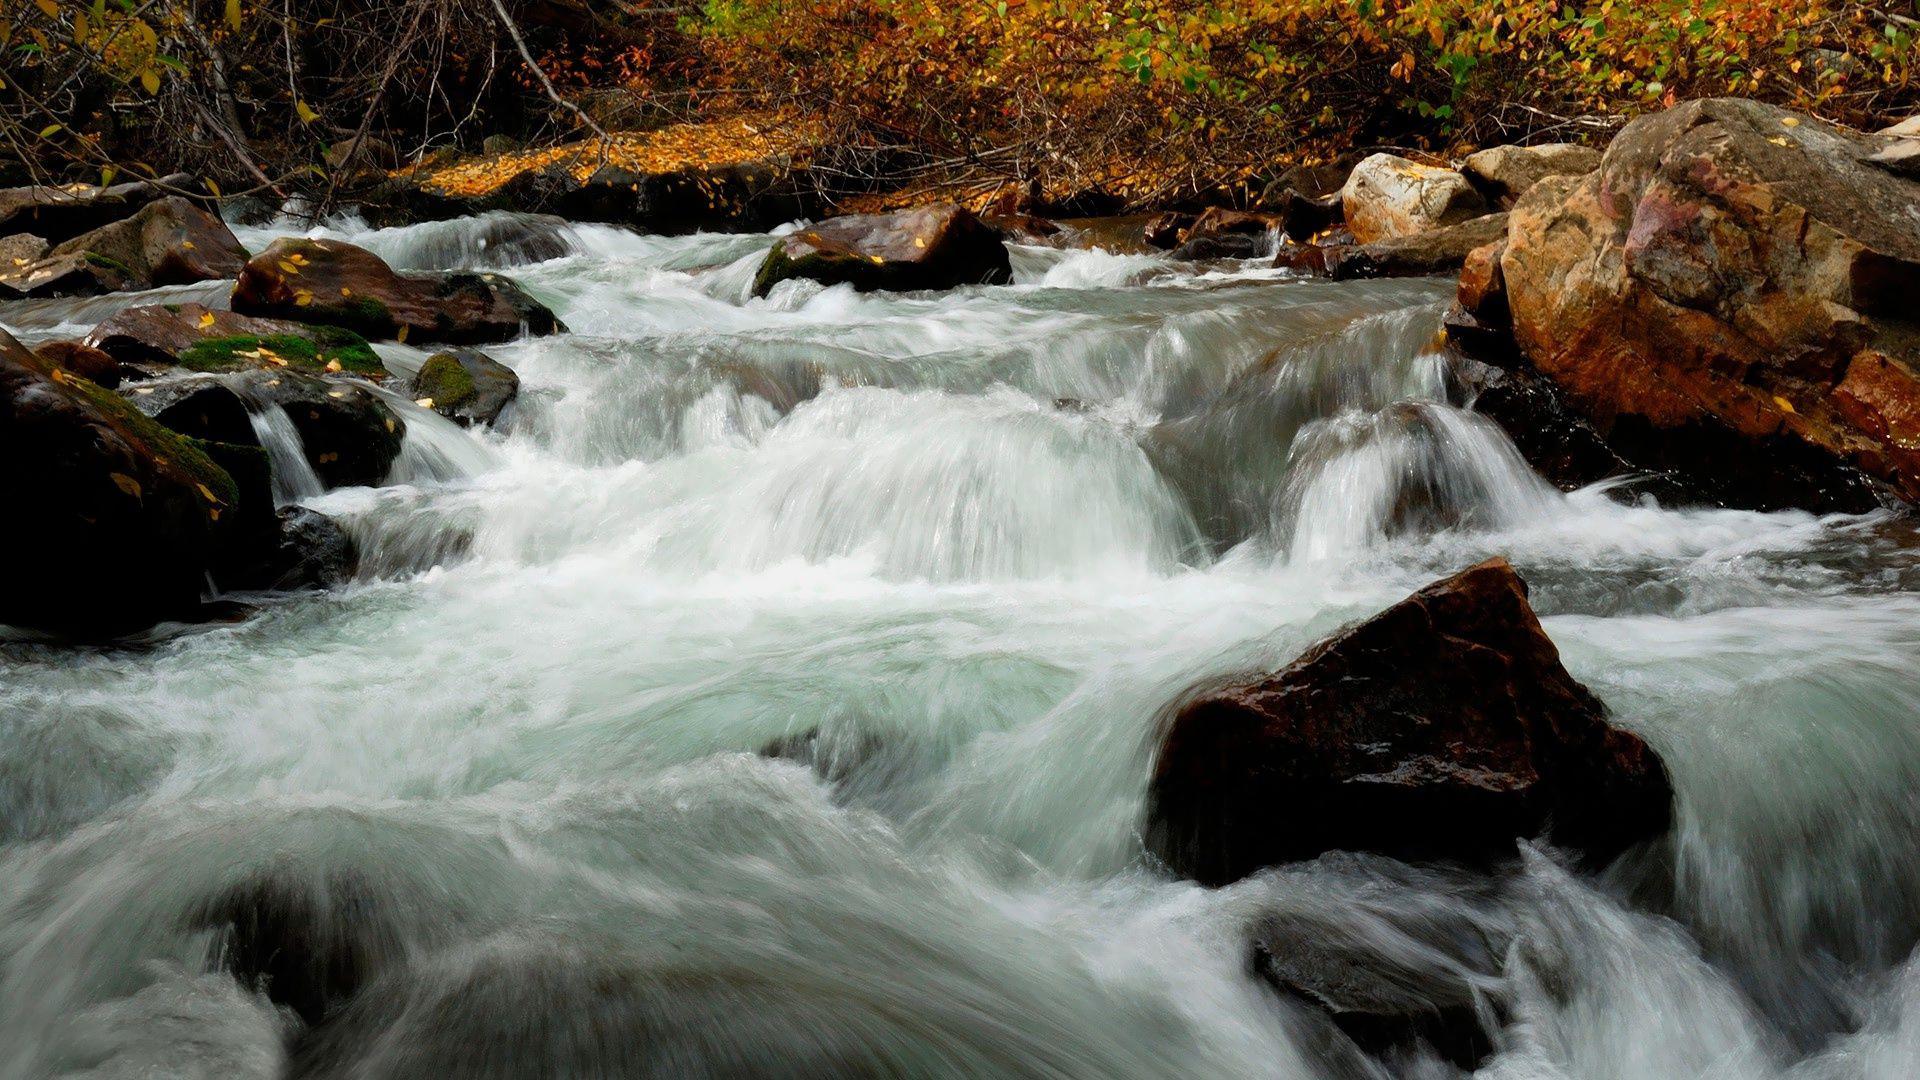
1442,728
1730,297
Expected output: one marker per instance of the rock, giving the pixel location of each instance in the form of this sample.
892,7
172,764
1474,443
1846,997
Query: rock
168,242
83,360
159,336
19,251
1021,227
313,552
60,214
1389,197
70,274
1436,251
1504,173
932,247
1908,128
1442,728
330,282
1729,297
1560,445
201,406
350,436
1307,198
466,386
1227,246
1902,158
1164,231
307,944
114,521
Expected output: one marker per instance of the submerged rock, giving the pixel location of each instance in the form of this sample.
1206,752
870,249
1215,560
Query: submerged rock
308,945
350,435
932,247
466,386
1442,728
1388,197
199,338
326,281
114,521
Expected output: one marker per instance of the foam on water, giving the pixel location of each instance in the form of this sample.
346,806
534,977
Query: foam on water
954,553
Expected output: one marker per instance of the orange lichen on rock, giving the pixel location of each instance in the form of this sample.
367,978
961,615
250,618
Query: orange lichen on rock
748,137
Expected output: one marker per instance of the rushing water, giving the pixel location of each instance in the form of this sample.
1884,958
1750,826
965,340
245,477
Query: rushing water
954,552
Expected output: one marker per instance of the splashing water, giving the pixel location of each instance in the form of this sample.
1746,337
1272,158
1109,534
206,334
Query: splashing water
950,555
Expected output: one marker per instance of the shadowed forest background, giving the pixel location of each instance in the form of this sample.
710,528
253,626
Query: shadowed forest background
1134,102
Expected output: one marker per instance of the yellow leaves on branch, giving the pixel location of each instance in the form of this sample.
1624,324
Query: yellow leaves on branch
734,140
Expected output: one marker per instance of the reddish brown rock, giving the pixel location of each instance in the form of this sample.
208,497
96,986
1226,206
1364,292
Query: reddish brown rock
167,242
1435,251
154,337
327,281
1730,297
1443,728
931,247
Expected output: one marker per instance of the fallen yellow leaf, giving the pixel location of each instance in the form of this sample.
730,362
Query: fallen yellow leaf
125,483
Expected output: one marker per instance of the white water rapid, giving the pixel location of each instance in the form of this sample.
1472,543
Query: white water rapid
960,550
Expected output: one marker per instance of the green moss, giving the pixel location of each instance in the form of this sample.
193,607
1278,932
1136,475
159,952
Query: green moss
177,450
94,258
444,379
302,354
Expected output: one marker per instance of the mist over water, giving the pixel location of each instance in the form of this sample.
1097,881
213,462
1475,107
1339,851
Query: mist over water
953,554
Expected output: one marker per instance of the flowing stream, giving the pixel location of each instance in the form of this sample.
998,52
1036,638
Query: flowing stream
952,555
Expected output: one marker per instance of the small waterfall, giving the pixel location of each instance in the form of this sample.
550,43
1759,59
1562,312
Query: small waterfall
294,478
436,450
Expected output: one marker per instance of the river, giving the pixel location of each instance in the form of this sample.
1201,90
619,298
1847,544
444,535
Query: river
953,554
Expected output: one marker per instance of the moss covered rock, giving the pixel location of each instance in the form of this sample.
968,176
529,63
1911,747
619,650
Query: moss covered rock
465,386
326,281
159,336
114,521
931,247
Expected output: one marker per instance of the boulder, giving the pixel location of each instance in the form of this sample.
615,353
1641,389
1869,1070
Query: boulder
80,359
1307,198
1389,197
313,552
1164,231
1443,728
60,214
1220,233
73,273
326,281
1436,251
1504,173
192,336
1729,297
167,242
201,406
114,521
466,386
348,433
932,247
21,250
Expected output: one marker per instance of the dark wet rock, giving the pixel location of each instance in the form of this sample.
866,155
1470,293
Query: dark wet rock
1164,231
350,435
113,520
1022,228
1504,173
1313,256
312,551
155,337
60,214
466,386
1436,251
309,944
1443,728
1730,298
932,247
1389,197
1307,198
81,359
326,281
1228,246
201,406
1559,444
